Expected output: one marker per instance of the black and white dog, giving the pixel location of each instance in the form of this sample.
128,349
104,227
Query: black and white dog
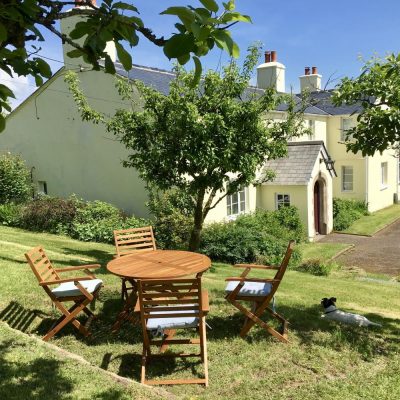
331,312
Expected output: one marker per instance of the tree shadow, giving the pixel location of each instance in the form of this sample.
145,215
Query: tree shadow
40,379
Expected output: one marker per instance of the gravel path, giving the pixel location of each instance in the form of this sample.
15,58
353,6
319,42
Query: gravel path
380,253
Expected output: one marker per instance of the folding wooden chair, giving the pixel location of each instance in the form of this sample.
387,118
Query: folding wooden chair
260,292
171,305
80,290
128,241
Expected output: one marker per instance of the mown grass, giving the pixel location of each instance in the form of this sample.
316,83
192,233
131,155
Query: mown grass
321,251
324,360
370,224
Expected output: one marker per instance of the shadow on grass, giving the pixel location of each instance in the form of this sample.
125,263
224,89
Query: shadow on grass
40,379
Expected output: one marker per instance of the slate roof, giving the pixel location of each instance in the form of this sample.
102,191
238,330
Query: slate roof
297,167
160,79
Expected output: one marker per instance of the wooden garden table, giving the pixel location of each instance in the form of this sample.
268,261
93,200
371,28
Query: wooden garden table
154,264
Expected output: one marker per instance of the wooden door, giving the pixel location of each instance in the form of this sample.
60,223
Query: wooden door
317,208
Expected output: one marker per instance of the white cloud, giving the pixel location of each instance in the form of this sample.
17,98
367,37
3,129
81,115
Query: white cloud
20,85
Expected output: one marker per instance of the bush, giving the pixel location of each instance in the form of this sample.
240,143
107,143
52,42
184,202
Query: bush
15,186
96,221
259,237
317,267
10,214
345,212
173,217
49,214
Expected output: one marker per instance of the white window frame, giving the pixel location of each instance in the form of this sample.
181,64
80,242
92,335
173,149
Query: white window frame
311,127
42,187
282,200
344,174
384,175
240,201
343,129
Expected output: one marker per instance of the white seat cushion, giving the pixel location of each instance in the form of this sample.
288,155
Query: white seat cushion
69,289
173,322
249,288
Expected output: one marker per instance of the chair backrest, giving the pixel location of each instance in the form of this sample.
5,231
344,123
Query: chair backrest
132,240
41,265
169,299
282,268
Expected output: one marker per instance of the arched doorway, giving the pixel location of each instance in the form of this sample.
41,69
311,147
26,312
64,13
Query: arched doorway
320,207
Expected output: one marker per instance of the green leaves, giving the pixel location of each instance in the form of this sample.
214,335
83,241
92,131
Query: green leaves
210,5
224,41
179,45
123,56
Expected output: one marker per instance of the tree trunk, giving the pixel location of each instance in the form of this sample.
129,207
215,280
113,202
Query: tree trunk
194,242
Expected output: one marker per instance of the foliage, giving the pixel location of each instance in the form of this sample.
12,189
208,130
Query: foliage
172,211
49,214
10,214
317,267
206,140
377,90
345,212
22,23
14,179
258,237
96,221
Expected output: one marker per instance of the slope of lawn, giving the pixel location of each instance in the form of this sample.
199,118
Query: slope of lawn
370,224
324,360
321,251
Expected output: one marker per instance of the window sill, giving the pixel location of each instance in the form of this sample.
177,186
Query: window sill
384,187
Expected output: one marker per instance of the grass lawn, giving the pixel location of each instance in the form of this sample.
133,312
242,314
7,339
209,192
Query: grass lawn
370,224
321,251
323,361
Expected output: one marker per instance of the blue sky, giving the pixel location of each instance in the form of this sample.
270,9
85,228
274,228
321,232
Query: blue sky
331,35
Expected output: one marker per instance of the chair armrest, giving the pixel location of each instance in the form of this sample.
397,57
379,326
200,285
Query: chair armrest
115,256
205,304
241,279
58,281
89,266
256,266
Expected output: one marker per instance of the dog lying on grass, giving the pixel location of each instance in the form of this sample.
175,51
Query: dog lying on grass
331,312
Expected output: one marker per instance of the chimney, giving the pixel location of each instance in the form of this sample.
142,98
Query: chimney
271,74
310,82
67,25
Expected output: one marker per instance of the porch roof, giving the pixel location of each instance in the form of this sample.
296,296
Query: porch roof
297,167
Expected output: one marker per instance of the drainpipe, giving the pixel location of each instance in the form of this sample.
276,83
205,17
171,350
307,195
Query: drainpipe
366,181
398,177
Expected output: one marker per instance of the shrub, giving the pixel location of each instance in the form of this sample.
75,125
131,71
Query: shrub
15,186
345,212
10,214
317,267
259,237
173,217
49,214
96,221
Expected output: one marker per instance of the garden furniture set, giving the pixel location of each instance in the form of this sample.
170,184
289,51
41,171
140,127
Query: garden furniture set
162,291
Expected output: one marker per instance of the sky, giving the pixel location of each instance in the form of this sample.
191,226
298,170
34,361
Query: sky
334,36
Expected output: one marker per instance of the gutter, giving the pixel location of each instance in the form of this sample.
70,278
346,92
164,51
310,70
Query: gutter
366,181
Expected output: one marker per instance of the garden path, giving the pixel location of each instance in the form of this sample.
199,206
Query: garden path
379,254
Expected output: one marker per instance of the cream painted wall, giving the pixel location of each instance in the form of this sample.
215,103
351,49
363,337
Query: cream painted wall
70,155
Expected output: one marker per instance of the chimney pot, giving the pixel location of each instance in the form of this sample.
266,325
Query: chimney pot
267,56
273,56
307,71
314,70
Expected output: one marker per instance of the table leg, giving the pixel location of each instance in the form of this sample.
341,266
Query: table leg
127,313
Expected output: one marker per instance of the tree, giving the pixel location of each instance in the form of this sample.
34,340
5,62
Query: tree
207,140
377,91
21,23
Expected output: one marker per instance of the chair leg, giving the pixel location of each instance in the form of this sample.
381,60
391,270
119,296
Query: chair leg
143,365
170,333
203,349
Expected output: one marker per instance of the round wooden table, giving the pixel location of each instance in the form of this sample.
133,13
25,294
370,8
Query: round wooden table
154,264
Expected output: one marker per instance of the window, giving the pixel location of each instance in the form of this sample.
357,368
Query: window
42,187
347,123
311,128
282,200
236,203
347,179
384,175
